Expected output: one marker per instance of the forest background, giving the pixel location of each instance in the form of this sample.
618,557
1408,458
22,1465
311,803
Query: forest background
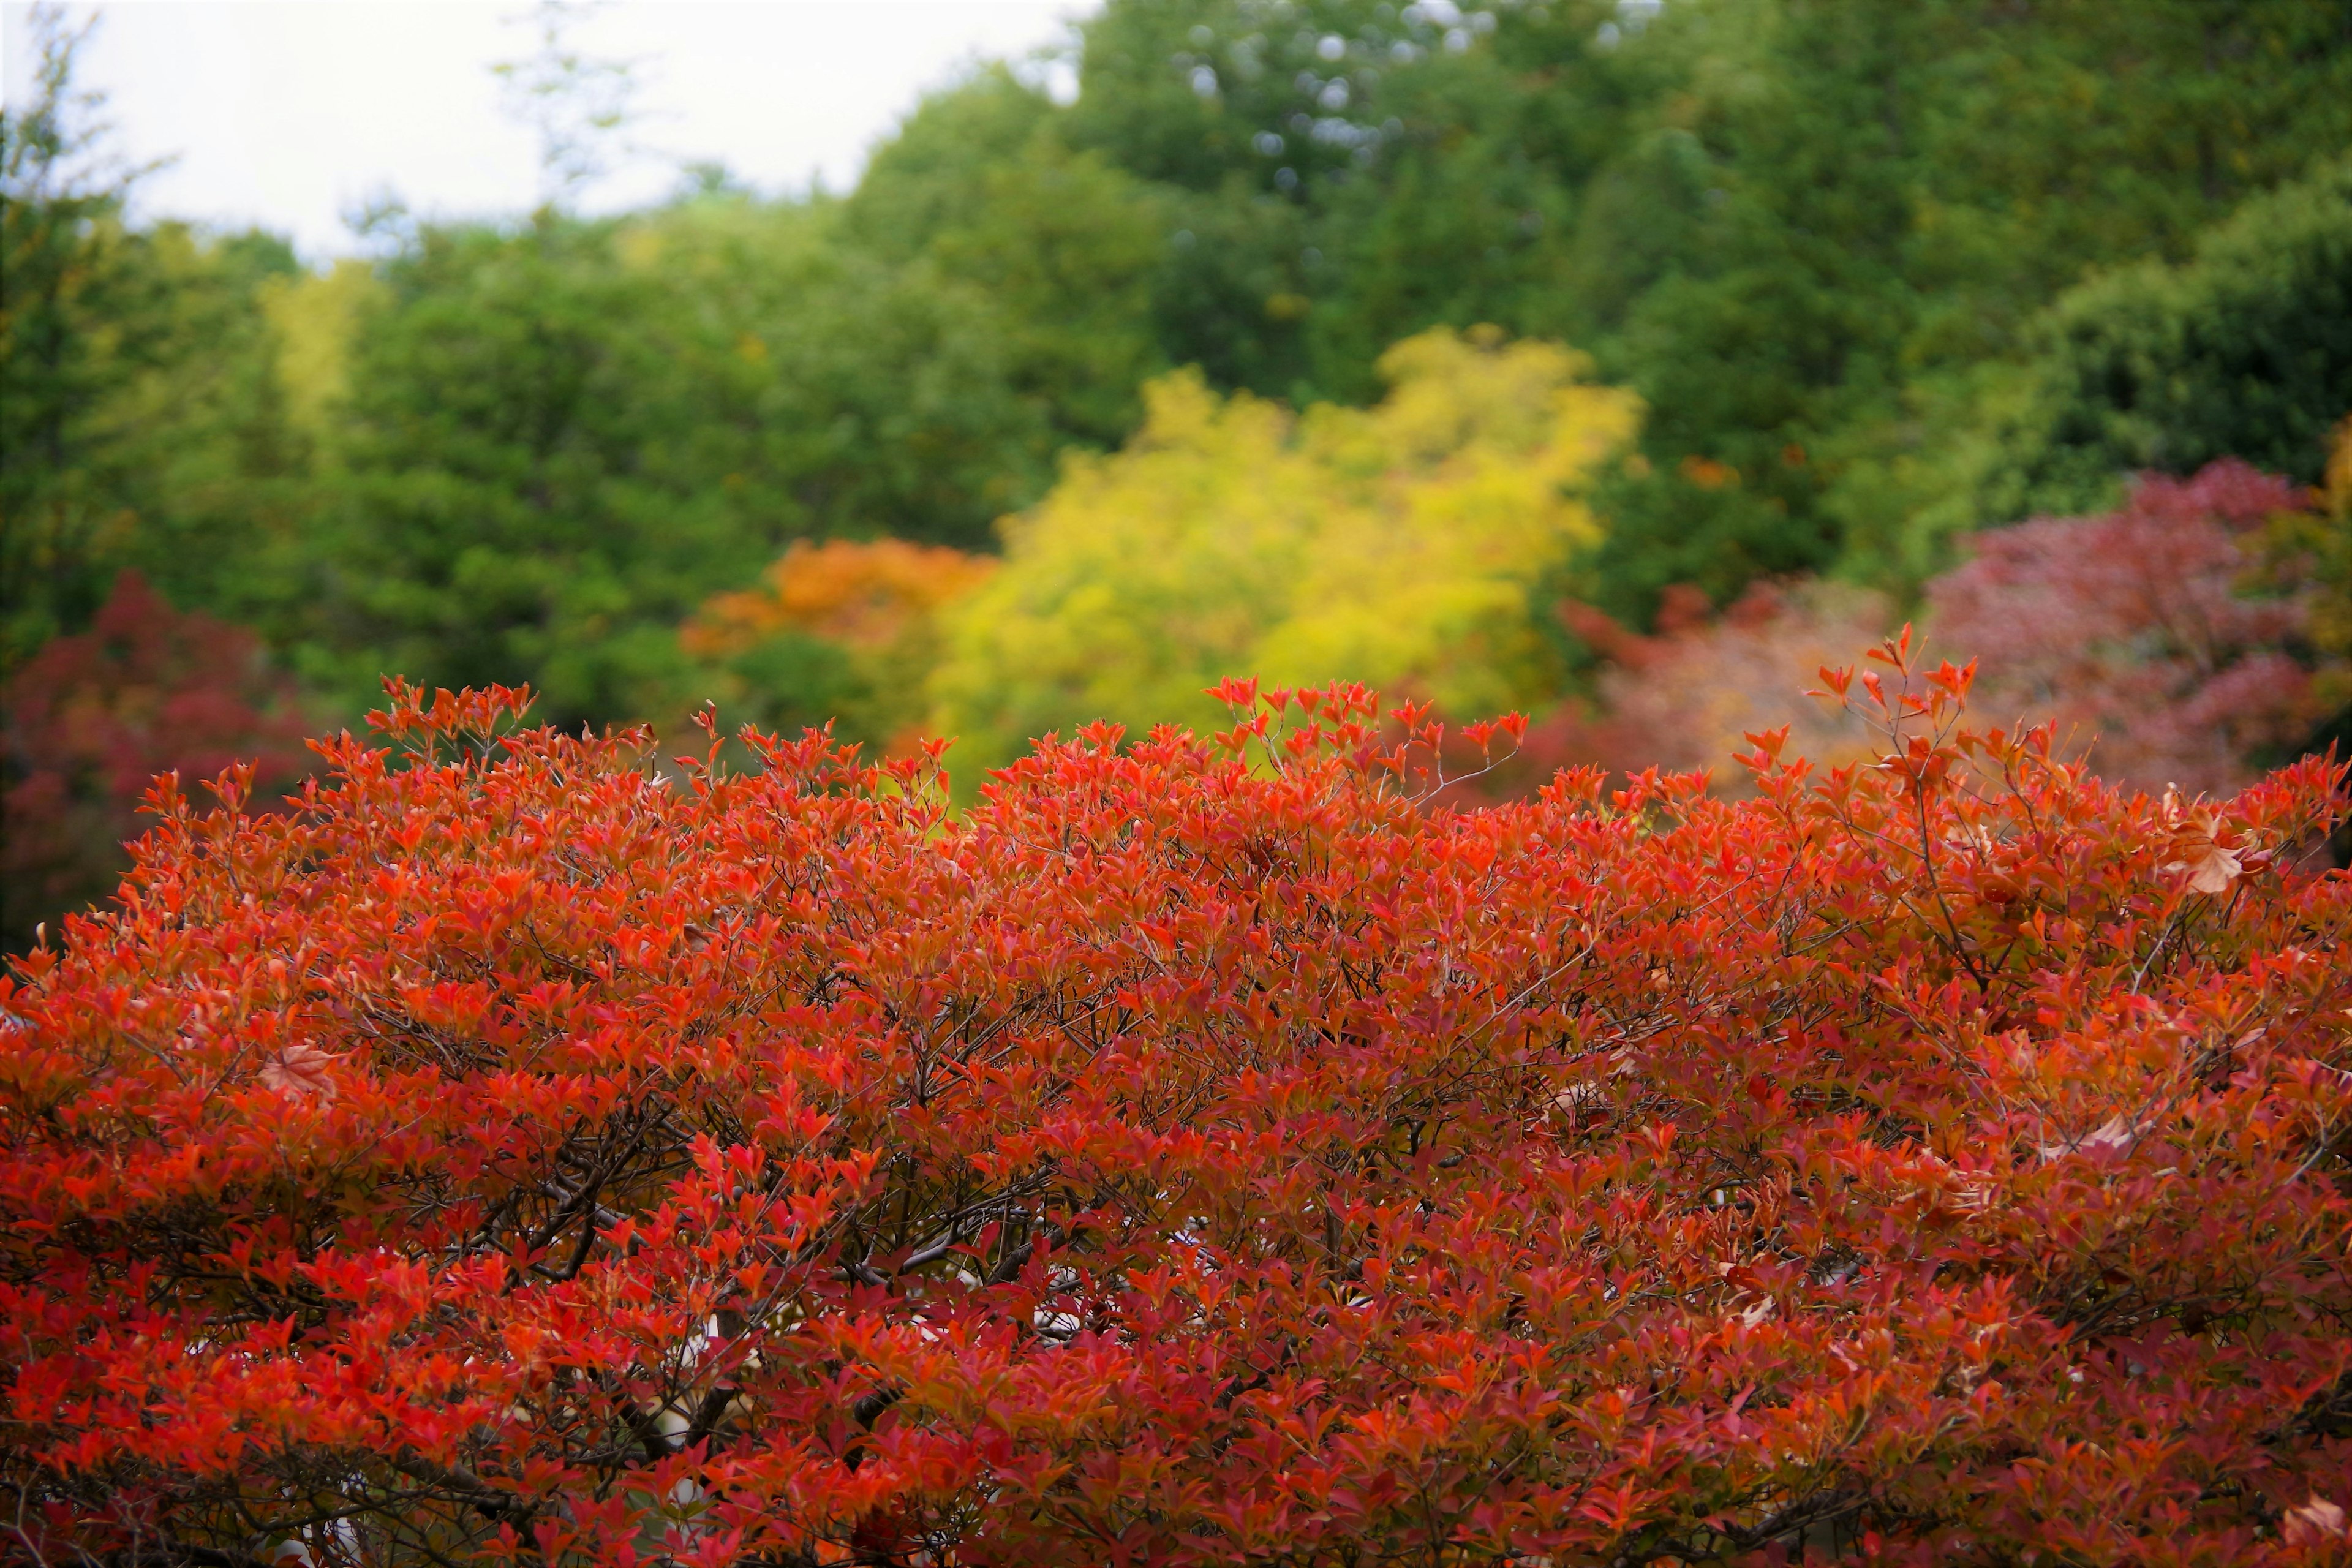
1609,360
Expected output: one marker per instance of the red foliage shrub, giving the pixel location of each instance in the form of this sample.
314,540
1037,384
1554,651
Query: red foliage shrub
92,718
2149,634
512,1154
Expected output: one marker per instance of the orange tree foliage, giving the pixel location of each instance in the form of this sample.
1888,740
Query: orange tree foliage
1199,1151
845,630
861,594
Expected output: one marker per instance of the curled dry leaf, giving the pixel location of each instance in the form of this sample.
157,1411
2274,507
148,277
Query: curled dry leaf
2114,1133
300,1070
2198,852
2317,1520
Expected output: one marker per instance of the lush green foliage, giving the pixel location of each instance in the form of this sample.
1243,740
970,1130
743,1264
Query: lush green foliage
1810,235
978,199
556,441
528,473
1799,229
2244,350
1878,200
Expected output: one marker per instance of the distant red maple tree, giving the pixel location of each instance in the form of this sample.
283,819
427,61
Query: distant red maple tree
1199,1151
92,718
2183,641
2159,636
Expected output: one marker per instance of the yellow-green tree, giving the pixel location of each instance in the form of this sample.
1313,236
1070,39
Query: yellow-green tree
1400,545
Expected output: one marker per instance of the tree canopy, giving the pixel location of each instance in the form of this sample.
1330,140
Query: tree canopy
1405,542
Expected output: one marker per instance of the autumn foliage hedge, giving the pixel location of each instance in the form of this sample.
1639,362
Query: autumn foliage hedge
1200,1152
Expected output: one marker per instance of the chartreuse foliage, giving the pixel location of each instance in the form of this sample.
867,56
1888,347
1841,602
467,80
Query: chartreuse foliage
1401,542
1199,1151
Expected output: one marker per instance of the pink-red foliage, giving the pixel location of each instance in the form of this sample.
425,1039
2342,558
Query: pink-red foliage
1684,696
1198,1153
2174,640
92,718
2149,634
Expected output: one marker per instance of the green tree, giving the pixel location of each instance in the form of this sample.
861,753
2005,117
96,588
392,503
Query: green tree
556,441
141,424
980,198
931,176
1343,174
867,397
63,270
541,466
2244,349
1885,195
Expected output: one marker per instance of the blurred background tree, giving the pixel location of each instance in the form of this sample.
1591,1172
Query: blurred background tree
140,424
93,718
1880,274
844,633
1402,545
2244,349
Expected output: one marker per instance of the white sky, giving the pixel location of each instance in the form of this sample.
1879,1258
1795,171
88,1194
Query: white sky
290,113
